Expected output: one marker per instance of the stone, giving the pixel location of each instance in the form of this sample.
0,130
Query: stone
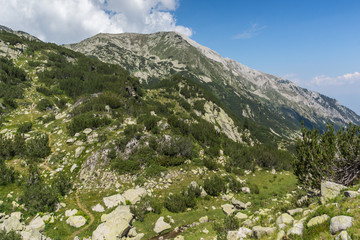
245,190
297,228
134,195
292,212
340,223
69,213
205,231
179,237
204,219
98,208
238,204
330,190
37,223
259,231
114,200
241,216
115,224
343,236
284,219
280,235
70,140
73,167
161,225
87,131
76,221
16,214
11,224
78,151
317,220
239,234
228,209
351,194
31,234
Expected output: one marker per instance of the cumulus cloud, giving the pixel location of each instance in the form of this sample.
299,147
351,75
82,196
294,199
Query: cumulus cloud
346,79
251,32
65,21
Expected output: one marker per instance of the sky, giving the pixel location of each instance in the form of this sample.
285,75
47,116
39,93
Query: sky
313,43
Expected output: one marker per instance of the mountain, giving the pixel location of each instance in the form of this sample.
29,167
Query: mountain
270,101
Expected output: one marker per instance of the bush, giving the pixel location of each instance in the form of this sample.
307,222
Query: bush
86,120
44,104
175,203
12,235
24,127
210,164
254,188
214,185
230,223
235,185
38,147
7,174
126,166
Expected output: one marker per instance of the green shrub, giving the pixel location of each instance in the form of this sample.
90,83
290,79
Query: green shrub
126,166
175,203
7,174
154,170
49,118
87,120
44,104
230,223
38,147
235,185
254,188
24,127
12,235
214,185
210,164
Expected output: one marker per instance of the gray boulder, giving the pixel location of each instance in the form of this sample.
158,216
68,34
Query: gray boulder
161,225
343,236
239,234
297,228
115,224
238,204
351,194
317,220
292,212
76,221
98,208
113,200
12,224
241,216
228,209
330,190
340,223
284,219
31,234
259,231
134,195
37,223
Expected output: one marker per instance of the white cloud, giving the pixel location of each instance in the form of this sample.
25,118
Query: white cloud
346,79
251,32
65,21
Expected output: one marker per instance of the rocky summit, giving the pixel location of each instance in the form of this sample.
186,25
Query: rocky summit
153,136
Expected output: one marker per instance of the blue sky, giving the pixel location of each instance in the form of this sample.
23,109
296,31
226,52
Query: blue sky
314,43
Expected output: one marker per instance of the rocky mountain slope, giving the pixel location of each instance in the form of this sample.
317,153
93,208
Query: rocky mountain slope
266,99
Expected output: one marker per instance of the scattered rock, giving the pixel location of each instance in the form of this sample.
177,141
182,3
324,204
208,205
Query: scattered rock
241,216
76,221
330,190
73,167
284,219
161,225
87,131
280,235
228,209
78,151
98,208
351,194
115,224
238,204
69,213
292,212
113,200
343,236
245,190
37,223
11,224
16,214
31,234
259,231
317,220
134,195
239,234
204,219
297,228
179,237
340,223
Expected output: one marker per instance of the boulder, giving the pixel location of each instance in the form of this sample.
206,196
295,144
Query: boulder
31,234
78,151
69,213
330,190
343,236
245,189
37,223
134,195
340,223
87,131
259,231
113,200
284,219
228,209
351,194
280,235
317,220
161,225
16,214
204,219
11,224
241,216
297,228
239,234
292,212
179,237
115,224
76,221
238,204
98,208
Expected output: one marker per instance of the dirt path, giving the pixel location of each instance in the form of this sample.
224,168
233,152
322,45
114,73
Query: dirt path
87,213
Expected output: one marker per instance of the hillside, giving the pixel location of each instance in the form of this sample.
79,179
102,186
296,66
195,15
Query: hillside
88,152
270,101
